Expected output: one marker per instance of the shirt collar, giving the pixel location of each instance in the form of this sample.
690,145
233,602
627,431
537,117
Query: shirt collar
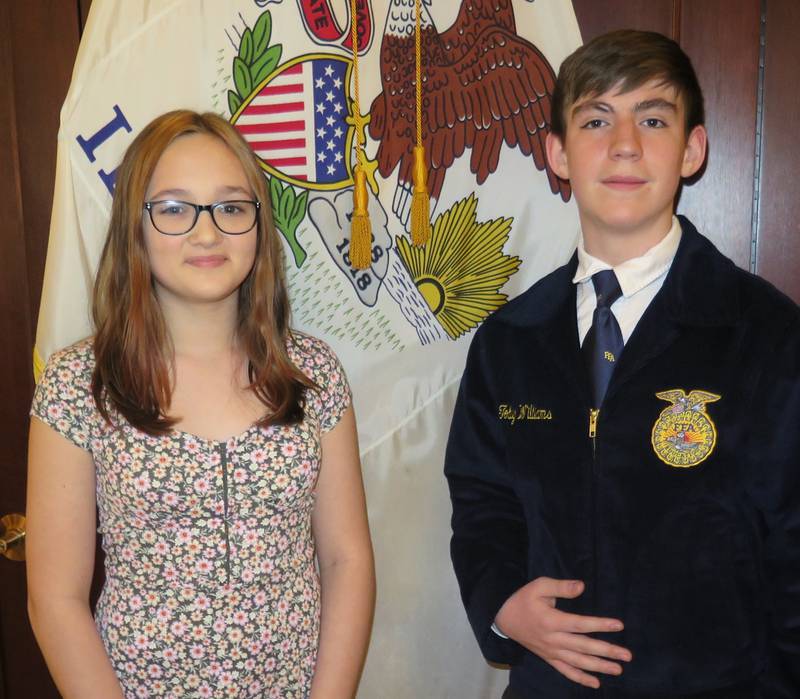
634,274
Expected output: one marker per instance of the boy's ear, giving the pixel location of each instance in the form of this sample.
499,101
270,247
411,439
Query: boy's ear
695,151
557,155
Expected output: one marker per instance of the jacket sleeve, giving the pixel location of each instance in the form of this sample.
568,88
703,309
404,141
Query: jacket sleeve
489,541
775,445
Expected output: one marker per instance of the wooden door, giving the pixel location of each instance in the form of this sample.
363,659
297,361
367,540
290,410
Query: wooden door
38,43
747,202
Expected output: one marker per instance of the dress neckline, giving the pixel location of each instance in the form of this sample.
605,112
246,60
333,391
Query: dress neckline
208,440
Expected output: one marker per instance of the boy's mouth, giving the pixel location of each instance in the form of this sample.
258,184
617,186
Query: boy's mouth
623,182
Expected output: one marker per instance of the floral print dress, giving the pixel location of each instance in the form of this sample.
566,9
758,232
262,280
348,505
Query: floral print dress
211,582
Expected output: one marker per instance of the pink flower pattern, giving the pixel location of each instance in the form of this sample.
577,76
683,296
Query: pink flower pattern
211,585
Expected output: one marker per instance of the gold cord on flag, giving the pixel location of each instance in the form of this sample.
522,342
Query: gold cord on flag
361,229
420,200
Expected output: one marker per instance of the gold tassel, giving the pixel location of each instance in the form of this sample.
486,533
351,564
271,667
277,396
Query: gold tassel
420,200
361,230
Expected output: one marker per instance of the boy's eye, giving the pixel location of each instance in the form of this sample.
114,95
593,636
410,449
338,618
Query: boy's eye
654,123
593,124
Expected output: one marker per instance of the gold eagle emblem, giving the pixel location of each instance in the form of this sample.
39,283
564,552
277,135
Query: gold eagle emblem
684,434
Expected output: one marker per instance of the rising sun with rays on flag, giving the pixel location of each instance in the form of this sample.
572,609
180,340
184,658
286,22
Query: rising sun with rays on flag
462,268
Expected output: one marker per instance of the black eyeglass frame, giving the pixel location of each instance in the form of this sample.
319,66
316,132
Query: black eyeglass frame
198,209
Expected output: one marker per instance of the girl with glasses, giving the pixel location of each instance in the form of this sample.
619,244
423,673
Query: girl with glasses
216,446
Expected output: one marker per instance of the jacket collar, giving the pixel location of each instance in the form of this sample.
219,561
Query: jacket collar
700,289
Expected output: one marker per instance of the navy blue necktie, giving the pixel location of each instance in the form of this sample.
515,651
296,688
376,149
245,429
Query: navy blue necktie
603,344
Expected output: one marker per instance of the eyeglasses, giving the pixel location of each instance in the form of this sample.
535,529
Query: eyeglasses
172,217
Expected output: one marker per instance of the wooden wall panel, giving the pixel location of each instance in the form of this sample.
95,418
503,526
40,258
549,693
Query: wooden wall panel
15,340
15,326
722,39
595,18
38,42
778,257
15,376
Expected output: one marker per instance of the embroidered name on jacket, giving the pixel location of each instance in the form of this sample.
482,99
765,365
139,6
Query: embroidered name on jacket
684,434
523,411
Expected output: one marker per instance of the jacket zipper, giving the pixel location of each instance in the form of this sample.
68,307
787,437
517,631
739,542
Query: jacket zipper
593,415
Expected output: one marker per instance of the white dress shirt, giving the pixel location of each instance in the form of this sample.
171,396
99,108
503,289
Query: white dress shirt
640,279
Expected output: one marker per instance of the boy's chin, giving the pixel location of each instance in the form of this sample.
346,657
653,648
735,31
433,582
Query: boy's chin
634,223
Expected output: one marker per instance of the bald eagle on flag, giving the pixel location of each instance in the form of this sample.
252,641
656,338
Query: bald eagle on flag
483,86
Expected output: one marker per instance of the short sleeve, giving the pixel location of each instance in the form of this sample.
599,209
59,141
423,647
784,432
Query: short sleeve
63,397
332,397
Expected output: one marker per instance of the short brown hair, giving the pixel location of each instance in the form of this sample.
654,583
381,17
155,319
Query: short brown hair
628,58
132,347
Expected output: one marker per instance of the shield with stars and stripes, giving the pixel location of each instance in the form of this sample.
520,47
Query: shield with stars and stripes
299,122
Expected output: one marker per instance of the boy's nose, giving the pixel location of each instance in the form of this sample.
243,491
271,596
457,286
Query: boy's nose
625,141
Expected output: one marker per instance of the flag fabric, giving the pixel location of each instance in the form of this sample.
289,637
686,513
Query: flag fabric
282,73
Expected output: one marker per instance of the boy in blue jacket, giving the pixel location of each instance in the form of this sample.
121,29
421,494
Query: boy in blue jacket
624,458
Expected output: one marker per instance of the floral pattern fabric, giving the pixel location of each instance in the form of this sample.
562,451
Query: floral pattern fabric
211,583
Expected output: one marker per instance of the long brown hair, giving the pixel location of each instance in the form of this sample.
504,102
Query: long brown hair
132,347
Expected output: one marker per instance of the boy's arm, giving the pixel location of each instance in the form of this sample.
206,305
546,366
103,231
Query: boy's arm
775,437
489,542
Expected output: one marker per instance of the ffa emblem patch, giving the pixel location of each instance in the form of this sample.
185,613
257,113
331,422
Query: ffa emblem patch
684,434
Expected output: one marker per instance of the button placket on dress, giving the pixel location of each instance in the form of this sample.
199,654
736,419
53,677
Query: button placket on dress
223,463
231,462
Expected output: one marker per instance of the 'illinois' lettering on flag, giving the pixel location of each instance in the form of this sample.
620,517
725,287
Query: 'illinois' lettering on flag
282,73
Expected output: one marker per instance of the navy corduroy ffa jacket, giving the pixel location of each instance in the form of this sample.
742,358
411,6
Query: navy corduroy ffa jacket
679,507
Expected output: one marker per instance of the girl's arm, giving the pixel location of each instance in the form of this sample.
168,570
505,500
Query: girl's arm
60,545
346,565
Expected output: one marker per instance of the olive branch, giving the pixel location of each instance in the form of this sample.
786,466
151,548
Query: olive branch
255,61
288,210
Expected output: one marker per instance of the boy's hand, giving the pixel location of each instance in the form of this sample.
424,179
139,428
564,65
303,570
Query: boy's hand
530,617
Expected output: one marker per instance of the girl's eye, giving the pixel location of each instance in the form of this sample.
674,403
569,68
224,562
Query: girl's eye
171,209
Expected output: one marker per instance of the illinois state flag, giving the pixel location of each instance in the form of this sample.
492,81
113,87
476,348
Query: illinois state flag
282,72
